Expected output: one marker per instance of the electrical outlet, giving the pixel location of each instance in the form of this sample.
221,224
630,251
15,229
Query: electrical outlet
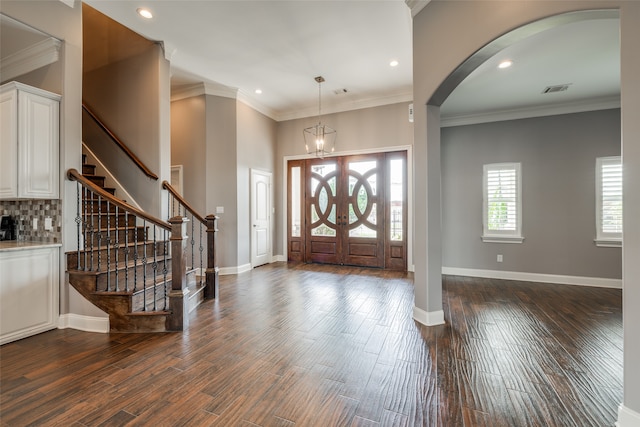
499,259
34,223
48,224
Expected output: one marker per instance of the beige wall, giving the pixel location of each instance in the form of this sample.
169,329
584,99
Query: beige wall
126,96
188,147
484,21
256,150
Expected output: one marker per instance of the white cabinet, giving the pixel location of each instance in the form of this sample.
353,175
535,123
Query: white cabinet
29,280
29,142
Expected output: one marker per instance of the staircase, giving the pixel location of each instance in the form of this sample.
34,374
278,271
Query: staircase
124,265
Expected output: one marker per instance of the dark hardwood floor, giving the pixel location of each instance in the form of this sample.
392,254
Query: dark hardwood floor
311,345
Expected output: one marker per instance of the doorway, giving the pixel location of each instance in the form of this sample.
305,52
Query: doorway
349,210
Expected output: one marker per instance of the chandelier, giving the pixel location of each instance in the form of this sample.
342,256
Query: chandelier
319,140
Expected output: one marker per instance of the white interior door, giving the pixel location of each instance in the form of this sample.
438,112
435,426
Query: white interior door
260,218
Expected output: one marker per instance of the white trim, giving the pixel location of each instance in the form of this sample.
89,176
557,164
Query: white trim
428,318
225,271
608,243
36,56
122,193
605,103
346,106
535,277
627,417
502,239
407,148
278,258
83,323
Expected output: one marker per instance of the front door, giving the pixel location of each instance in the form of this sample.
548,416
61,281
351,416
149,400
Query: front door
345,210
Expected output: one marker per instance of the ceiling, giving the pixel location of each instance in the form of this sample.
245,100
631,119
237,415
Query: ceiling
280,46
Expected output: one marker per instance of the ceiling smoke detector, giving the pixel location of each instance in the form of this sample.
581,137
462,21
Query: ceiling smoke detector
556,88
340,91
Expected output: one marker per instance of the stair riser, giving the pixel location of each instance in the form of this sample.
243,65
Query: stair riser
161,295
129,277
97,180
94,206
88,169
102,220
140,249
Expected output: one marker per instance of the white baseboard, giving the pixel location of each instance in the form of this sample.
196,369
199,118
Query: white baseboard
535,277
627,417
225,271
428,318
83,323
278,258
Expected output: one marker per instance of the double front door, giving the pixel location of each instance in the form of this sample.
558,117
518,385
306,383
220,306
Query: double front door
349,210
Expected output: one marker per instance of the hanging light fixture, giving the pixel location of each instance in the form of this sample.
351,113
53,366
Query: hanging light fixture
320,140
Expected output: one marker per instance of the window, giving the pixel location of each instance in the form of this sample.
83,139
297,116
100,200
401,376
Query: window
502,207
608,201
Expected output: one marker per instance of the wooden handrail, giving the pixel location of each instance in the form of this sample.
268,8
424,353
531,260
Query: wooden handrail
74,175
120,144
174,193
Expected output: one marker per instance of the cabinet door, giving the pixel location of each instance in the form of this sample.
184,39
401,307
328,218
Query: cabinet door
38,150
28,292
8,145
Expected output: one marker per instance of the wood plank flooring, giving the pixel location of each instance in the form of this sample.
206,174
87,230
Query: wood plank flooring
312,345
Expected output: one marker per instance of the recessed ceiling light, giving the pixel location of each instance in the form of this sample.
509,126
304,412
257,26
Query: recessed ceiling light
393,63
145,13
505,64
258,91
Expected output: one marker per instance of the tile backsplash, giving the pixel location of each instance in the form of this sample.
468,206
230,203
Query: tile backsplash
25,211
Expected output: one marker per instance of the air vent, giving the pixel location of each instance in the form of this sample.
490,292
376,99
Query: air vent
340,91
556,88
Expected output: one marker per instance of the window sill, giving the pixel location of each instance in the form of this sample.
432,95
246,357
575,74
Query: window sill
608,243
502,239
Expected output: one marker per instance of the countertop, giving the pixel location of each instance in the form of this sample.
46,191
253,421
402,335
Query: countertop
21,245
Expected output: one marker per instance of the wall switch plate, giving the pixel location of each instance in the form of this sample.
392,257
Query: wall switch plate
499,258
48,224
34,223
219,209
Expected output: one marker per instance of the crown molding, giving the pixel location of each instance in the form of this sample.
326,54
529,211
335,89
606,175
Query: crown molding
36,56
416,6
70,3
604,103
198,89
346,106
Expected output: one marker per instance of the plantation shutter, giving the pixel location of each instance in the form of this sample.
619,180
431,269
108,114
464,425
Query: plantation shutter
611,193
502,186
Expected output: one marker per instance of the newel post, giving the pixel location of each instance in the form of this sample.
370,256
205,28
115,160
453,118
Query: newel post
211,273
179,295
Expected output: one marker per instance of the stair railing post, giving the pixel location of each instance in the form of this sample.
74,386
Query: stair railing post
178,320
211,273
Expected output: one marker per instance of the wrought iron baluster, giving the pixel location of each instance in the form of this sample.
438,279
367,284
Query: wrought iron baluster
116,244
108,225
155,267
99,201
135,256
144,265
84,231
201,252
126,251
165,270
89,238
193,240
78,220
